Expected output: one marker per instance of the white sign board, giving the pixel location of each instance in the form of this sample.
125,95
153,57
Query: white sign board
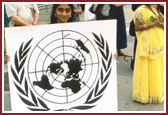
63,67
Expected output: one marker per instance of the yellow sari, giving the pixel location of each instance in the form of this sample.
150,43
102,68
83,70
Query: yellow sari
148,75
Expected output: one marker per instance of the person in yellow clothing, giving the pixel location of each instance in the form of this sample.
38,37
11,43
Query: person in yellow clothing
148,75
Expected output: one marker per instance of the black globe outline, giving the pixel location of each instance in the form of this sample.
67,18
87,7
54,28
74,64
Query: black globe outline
57,39
54,58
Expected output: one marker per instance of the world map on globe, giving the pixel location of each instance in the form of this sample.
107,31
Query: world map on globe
72,79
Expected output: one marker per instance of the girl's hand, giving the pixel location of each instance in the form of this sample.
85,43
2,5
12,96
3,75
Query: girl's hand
161,24
116,56
156,21
6,58
161,17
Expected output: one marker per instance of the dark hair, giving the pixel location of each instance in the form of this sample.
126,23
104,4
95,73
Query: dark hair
54,19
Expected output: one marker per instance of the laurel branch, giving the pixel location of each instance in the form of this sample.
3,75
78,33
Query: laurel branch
35,104
25,94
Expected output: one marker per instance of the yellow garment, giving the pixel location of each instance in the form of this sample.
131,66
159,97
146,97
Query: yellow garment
148,76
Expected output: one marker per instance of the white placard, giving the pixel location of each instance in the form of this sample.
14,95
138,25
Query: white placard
63,67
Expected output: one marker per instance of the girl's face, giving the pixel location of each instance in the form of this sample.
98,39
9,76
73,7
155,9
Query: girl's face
63,13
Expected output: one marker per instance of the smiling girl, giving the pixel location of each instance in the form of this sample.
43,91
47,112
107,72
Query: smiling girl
62,13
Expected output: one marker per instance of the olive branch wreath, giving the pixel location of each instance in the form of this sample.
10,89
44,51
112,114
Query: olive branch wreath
35,104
